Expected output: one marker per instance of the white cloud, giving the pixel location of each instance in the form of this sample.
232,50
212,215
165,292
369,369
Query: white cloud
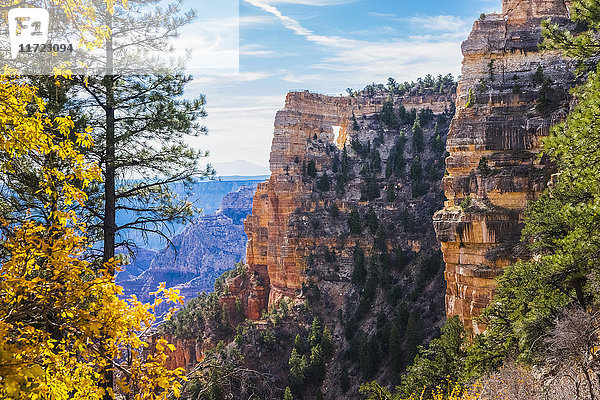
363,61
443,23
318,3
243,131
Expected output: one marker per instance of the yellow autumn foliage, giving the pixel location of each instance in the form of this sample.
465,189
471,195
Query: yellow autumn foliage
62,322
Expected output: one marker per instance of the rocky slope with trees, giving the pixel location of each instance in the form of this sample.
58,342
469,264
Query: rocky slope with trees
344,275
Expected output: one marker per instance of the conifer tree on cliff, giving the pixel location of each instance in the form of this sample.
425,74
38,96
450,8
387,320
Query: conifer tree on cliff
140,125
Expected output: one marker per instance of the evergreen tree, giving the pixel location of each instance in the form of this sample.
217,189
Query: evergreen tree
298,367
354,222
416,169
390,193
359,272
311,169
316,332
140,125
441,362
388,115
323,183
299,344
418,141
413,336
316,364
372,221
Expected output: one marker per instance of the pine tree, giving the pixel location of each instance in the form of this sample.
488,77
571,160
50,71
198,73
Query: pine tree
390,193
359,272
418,140
372,221
140,124
354,222
413,336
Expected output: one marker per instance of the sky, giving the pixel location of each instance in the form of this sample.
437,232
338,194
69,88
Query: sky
323,46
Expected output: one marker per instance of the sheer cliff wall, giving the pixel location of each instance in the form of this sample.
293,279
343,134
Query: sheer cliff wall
305,130
509,96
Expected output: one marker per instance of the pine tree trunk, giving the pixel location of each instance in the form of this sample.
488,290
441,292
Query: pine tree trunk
109,183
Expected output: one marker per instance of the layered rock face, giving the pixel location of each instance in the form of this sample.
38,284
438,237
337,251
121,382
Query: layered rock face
509,96
305,132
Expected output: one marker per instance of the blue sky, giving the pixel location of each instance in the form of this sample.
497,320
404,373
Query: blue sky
324,46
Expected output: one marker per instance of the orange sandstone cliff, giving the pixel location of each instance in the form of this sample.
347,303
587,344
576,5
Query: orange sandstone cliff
305,131
509,96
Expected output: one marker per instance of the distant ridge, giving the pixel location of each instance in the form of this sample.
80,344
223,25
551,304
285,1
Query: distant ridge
240,167
236,178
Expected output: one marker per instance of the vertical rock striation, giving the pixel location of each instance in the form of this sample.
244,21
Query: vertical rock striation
305,132
509,96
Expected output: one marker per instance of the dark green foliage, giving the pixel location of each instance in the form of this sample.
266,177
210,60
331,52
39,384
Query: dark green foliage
370,190
299,344
298,366
418,141
491,71
308,365
380,239
388,115
395,340
334,210
419,189
315,333
354,222
342,177
412,116
355,126
400,259
368,357
323,183
416,169
356,145
359,272
344,381
442,361
390,193
372,221
413,337
375,161
484,168
396,163
311,169
316,366
538,77
425,116
544,100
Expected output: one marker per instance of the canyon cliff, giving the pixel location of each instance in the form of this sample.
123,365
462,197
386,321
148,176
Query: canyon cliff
509,95
341,233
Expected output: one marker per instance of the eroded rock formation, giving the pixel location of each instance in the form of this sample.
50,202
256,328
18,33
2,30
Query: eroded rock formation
305,133
509,96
